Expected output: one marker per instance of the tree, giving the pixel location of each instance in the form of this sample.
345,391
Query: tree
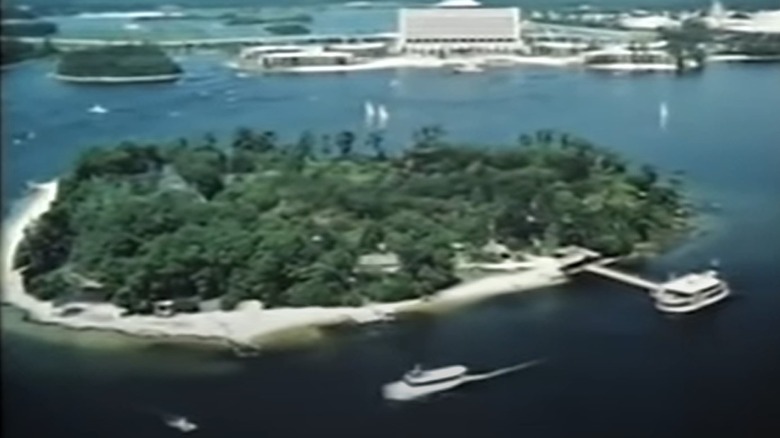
345,141
374,142
243,139
428,136
373,234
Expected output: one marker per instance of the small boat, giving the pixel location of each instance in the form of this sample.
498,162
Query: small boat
370,112
467,68
181,423
382,116
97,109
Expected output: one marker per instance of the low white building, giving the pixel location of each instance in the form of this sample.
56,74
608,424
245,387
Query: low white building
286,57
459,29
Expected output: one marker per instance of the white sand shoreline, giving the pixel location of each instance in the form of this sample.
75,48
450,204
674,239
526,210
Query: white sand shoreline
399,62
245,326
117,79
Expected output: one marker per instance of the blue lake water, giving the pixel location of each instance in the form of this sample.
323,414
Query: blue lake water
616,367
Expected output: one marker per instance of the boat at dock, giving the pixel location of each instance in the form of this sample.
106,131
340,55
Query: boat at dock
691,292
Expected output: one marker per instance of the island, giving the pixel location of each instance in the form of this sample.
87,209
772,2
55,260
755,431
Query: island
312,222
234,19
285,29
15,51
23,22
118,64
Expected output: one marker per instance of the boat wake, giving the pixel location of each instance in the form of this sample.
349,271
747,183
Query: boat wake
501,371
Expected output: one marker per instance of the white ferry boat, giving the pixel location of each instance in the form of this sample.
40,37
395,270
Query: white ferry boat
691,292
420,383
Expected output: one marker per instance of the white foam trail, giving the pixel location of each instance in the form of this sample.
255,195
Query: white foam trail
502,371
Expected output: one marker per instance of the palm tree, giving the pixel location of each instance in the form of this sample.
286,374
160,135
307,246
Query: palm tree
428,136
374,141
243,138
266,142
325,145
525,140
209,140
345,141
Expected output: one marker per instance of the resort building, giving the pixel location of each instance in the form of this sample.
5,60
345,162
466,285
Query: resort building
456,28
285,57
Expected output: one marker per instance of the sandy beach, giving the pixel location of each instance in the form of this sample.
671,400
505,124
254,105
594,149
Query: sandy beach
250,322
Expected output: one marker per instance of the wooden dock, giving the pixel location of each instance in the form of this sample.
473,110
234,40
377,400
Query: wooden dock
630,279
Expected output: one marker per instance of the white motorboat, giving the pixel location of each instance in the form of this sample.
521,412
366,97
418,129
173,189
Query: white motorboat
691,292
467,68
181,423
420,383
97,109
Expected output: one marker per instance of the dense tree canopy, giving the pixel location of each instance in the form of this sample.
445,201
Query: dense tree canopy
118,61
258,218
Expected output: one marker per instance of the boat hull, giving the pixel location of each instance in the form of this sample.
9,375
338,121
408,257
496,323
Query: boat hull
401,391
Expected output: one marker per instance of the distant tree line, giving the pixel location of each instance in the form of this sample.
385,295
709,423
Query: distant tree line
118,61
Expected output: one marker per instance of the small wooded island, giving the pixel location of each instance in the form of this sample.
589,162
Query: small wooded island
315,222
121,64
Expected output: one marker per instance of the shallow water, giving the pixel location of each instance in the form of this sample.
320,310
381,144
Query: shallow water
616,367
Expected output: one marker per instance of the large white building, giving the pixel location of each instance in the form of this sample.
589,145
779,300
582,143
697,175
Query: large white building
459,29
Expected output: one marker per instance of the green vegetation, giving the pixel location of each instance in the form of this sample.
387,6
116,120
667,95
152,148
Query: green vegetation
287,222
14,51
234,19
287,29
118,61
27,28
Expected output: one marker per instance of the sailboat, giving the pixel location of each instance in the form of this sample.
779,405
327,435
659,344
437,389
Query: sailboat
382,117
663,115
370,113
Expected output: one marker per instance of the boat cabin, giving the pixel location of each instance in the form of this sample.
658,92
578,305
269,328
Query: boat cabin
417,376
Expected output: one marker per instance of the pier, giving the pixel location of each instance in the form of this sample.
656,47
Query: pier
622,277
575,260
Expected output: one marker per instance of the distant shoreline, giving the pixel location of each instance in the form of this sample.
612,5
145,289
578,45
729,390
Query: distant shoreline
117,79
249,326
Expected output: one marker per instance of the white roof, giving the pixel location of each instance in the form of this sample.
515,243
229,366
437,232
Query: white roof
475,23
357,46
308,54
650,23
267,49
693,282
457,4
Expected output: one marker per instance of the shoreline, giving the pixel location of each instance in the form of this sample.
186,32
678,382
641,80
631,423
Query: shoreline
400,62
117,79
248,325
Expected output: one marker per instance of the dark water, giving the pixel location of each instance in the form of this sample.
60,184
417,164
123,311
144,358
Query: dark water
616,367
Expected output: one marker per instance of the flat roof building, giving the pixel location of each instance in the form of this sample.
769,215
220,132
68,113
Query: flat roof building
459,30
